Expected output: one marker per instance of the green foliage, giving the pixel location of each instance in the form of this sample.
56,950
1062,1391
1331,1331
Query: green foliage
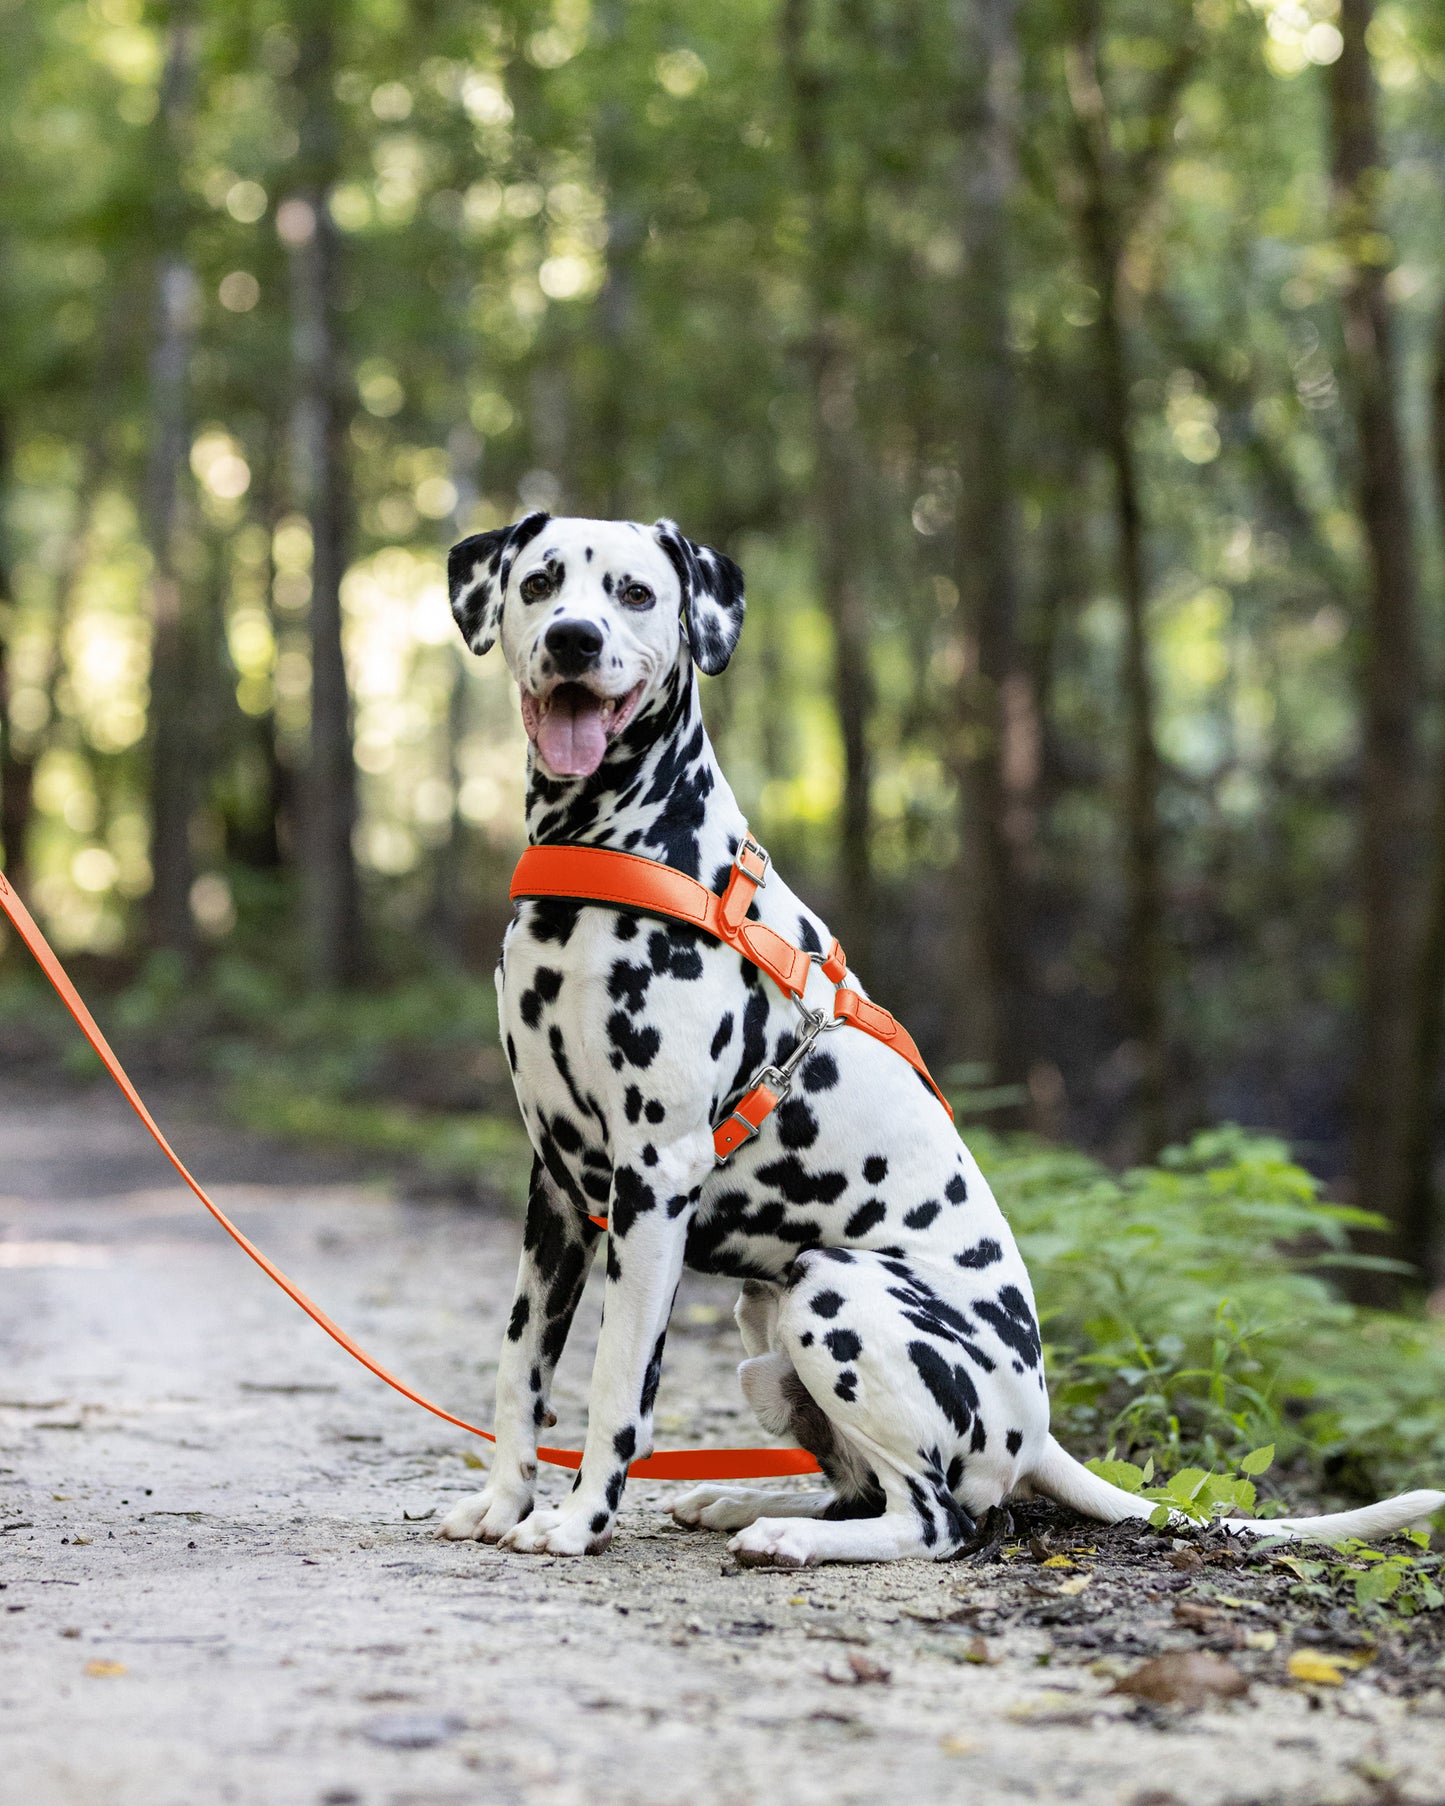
1192,1491
1188,1310
1371,1584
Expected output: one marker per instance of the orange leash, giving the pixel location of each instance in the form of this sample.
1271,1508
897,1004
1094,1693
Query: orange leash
672,1464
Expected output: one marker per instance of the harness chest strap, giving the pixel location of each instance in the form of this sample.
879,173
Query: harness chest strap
627,881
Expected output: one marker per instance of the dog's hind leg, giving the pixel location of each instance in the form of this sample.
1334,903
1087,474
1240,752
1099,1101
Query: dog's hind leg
756,1315
887,1437
782,1405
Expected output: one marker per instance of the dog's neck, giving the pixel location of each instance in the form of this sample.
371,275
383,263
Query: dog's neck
659,790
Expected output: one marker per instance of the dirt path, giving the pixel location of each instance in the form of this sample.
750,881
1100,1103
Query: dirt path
219,1581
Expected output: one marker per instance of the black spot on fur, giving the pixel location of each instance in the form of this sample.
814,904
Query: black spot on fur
521,1311
820,1072
875,1169
797,1125
723,1035
624,1444
865,1218
846,1385
798,1185
653,1377
949,1385
600,1523
546,984
637,1046
922,1214
826,1304
616,1480
1014,1441
956,1191
654,1111
626,928
982,1254
553,919
1013,1323
627,984
844,1344
632,1103
631,1196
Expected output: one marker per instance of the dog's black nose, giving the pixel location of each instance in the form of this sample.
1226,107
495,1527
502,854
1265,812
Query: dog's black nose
574,645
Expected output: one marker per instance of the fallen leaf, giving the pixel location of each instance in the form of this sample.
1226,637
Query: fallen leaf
1188,1561
417,1517
83,1542
1185,1677
1261,1639
959,1746
1324,1668
104,1671
471,1460
866,1670
977,1651
1058,1561
1039,1547
1072,1587
798,1599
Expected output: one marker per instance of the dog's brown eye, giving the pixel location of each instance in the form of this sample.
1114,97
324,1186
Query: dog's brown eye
637,595
536,585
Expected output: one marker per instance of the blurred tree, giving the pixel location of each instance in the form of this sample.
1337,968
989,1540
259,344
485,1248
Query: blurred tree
321,414
176,748
1390,656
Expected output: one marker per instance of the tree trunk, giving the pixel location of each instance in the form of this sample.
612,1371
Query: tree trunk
174,748
1390,682
610,479
997,769
320,418
1142,985
1419,1220
16,773
836,486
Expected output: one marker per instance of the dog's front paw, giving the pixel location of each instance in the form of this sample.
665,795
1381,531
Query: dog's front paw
553,1530
485,1516
777,1543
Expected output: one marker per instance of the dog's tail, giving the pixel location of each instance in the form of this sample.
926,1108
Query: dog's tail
1058,1476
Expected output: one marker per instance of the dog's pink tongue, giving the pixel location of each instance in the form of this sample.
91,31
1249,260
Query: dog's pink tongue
570,736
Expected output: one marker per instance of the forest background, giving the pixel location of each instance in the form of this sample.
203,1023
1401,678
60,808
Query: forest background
1067,375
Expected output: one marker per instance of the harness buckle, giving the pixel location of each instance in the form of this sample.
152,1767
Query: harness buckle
752,860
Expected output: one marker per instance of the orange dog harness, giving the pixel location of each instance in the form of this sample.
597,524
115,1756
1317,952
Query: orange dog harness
625,881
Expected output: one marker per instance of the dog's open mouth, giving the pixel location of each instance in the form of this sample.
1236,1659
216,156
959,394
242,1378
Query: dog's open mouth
572,726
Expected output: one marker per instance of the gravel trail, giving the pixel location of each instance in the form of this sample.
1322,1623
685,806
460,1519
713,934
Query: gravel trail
218,1580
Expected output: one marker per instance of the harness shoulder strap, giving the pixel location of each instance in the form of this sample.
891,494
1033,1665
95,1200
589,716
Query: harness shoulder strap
627,881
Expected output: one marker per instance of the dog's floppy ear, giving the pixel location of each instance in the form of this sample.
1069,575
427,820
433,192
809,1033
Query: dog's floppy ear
712,597
477,571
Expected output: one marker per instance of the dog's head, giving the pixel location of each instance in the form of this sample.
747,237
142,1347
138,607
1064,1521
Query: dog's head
594,618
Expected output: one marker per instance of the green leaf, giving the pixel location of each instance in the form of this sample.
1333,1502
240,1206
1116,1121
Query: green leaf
1122,1474
1377,1585
1187,1484
1258,1460
1159,1517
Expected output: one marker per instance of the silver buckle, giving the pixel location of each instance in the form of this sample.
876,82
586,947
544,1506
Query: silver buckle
750,849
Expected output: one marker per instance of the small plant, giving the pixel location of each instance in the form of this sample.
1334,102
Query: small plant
1372,1584
1193,1492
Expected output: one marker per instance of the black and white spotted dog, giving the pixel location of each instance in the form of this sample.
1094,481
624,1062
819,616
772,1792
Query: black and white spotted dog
886,1314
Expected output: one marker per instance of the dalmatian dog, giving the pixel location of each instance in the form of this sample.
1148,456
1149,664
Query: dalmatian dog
887,1319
